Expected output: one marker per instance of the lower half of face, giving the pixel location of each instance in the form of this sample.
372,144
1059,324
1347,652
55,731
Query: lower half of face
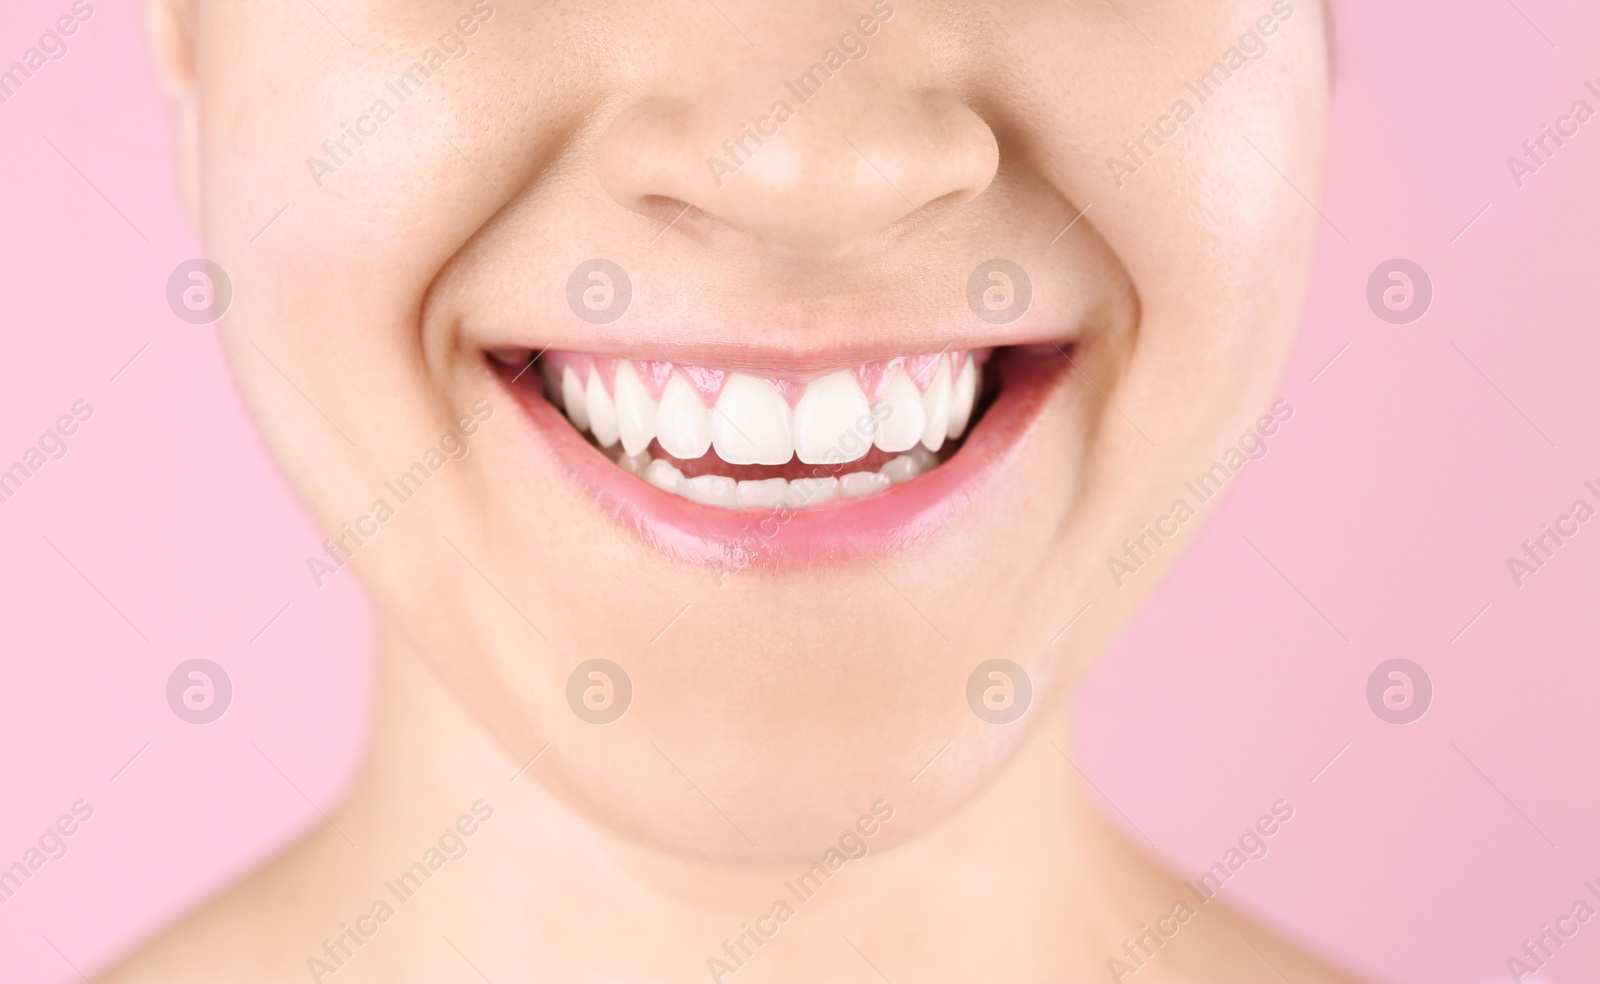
749,404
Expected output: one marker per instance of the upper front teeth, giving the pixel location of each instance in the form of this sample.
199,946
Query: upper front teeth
905,420
682,424
751,421
826,415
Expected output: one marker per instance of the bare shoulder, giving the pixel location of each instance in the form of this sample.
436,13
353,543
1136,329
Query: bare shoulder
1248,952
250,933
1195,936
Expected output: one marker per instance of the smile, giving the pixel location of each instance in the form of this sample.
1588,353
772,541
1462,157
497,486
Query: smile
741,468
739,441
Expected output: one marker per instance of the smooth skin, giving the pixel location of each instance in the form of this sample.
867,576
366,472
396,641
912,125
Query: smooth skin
772,709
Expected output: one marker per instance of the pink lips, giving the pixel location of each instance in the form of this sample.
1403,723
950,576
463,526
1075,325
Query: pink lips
786,539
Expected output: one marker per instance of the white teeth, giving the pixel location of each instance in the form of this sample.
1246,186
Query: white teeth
602,412
636,412
573,400
634,464
961,401
936,405
862,483
712,490
901,469
664,475
766,492
683,424
903,417
812,491
752,423
827,420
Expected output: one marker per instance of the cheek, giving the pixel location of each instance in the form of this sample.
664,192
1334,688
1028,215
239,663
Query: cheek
332,242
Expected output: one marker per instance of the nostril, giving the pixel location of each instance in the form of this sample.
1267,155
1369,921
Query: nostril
644,158
833,176
663,208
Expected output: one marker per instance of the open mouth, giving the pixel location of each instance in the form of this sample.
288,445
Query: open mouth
740,441
736,466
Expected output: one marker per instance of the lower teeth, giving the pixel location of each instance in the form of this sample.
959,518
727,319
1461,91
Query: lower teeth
773,493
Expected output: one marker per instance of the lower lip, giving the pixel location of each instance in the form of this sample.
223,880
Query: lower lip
772,540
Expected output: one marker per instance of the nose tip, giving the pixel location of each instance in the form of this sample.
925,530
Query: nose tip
800,180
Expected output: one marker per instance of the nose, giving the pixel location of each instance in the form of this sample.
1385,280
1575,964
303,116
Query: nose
811,169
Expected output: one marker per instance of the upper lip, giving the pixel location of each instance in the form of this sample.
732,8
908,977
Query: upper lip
763,355
773,340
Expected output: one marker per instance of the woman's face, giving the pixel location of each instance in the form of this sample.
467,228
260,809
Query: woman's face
994,279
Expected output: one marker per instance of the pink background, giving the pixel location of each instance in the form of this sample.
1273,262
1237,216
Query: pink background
1380,523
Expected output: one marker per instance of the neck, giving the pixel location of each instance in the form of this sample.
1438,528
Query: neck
1025,883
